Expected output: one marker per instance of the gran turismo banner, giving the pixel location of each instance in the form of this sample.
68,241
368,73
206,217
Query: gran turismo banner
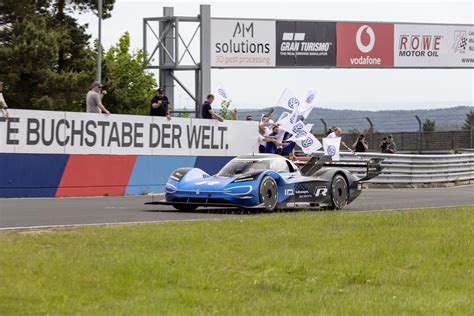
305,44
242,43
86,133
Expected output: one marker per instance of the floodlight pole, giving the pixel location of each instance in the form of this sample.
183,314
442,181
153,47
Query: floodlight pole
99,46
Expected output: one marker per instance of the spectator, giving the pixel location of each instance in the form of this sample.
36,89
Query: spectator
249,118
361,144
207,112
336,132
263,138
160,106
271,146
94,99
3,104
391,146
383,145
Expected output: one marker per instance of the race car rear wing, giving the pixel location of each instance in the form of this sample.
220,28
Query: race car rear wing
315,163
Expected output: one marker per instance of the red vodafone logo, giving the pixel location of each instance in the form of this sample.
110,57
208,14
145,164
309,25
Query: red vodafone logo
360,45
364,44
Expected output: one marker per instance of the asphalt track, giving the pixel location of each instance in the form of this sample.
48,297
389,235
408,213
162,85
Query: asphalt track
31,213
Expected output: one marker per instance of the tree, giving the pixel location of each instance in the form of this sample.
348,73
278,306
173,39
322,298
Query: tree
129,86
226,112
429,125
469,123
45,58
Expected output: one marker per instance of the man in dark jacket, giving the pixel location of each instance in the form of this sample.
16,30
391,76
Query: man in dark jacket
160,105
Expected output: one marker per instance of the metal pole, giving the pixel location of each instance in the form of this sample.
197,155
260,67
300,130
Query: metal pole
371,130
205,65
325,127
419,133
99,48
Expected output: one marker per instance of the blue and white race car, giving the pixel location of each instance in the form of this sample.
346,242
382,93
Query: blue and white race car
266,181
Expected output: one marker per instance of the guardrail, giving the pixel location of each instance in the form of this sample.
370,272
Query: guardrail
416,169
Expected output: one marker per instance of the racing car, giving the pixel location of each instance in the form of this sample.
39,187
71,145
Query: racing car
268,182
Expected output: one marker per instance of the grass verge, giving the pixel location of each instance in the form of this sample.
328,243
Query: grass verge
416,262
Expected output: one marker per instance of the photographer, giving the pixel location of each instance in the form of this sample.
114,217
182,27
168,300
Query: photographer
361,144
160,105
383,145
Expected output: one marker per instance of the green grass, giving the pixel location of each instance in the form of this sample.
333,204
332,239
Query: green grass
415,262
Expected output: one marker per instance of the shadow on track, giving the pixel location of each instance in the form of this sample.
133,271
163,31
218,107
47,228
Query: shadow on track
230,211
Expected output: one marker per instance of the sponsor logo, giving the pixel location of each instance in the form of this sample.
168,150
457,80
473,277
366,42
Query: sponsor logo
307,142
331,150
295,44
365,48
364,45
240,42
460,41
301,189
321,191
292,102
419,45
289,192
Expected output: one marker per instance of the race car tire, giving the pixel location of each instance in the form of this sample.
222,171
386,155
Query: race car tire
268,192
185,207
339,192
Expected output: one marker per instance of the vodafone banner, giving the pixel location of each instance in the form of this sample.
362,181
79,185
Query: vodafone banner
242,43
364,45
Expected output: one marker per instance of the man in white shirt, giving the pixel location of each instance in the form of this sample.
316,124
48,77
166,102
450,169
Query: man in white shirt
3,104
337,133
94,99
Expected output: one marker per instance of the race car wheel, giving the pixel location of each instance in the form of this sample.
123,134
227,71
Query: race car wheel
185,207
339,192
268,193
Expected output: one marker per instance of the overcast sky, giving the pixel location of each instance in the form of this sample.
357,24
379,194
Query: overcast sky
373,89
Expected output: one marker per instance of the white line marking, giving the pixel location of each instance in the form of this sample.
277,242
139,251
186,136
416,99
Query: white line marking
216,219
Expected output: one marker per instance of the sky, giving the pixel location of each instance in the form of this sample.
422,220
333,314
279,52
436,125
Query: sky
359,89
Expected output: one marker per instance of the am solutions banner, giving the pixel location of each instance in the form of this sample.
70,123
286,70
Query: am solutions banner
300,43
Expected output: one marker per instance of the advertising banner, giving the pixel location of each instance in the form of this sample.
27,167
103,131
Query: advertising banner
242,43
364,45
461,46
421,45
305,44
89,133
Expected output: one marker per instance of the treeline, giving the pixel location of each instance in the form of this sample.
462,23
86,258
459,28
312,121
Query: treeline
47,60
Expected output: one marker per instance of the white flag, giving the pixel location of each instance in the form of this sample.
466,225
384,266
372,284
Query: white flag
289,100
310,98
221,93
287,121
331,147
310,144
300,131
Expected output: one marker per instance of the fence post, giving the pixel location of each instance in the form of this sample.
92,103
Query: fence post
472,136
325,127
371,131
419,133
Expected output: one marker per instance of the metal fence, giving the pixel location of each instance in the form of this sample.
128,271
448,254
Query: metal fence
417,169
